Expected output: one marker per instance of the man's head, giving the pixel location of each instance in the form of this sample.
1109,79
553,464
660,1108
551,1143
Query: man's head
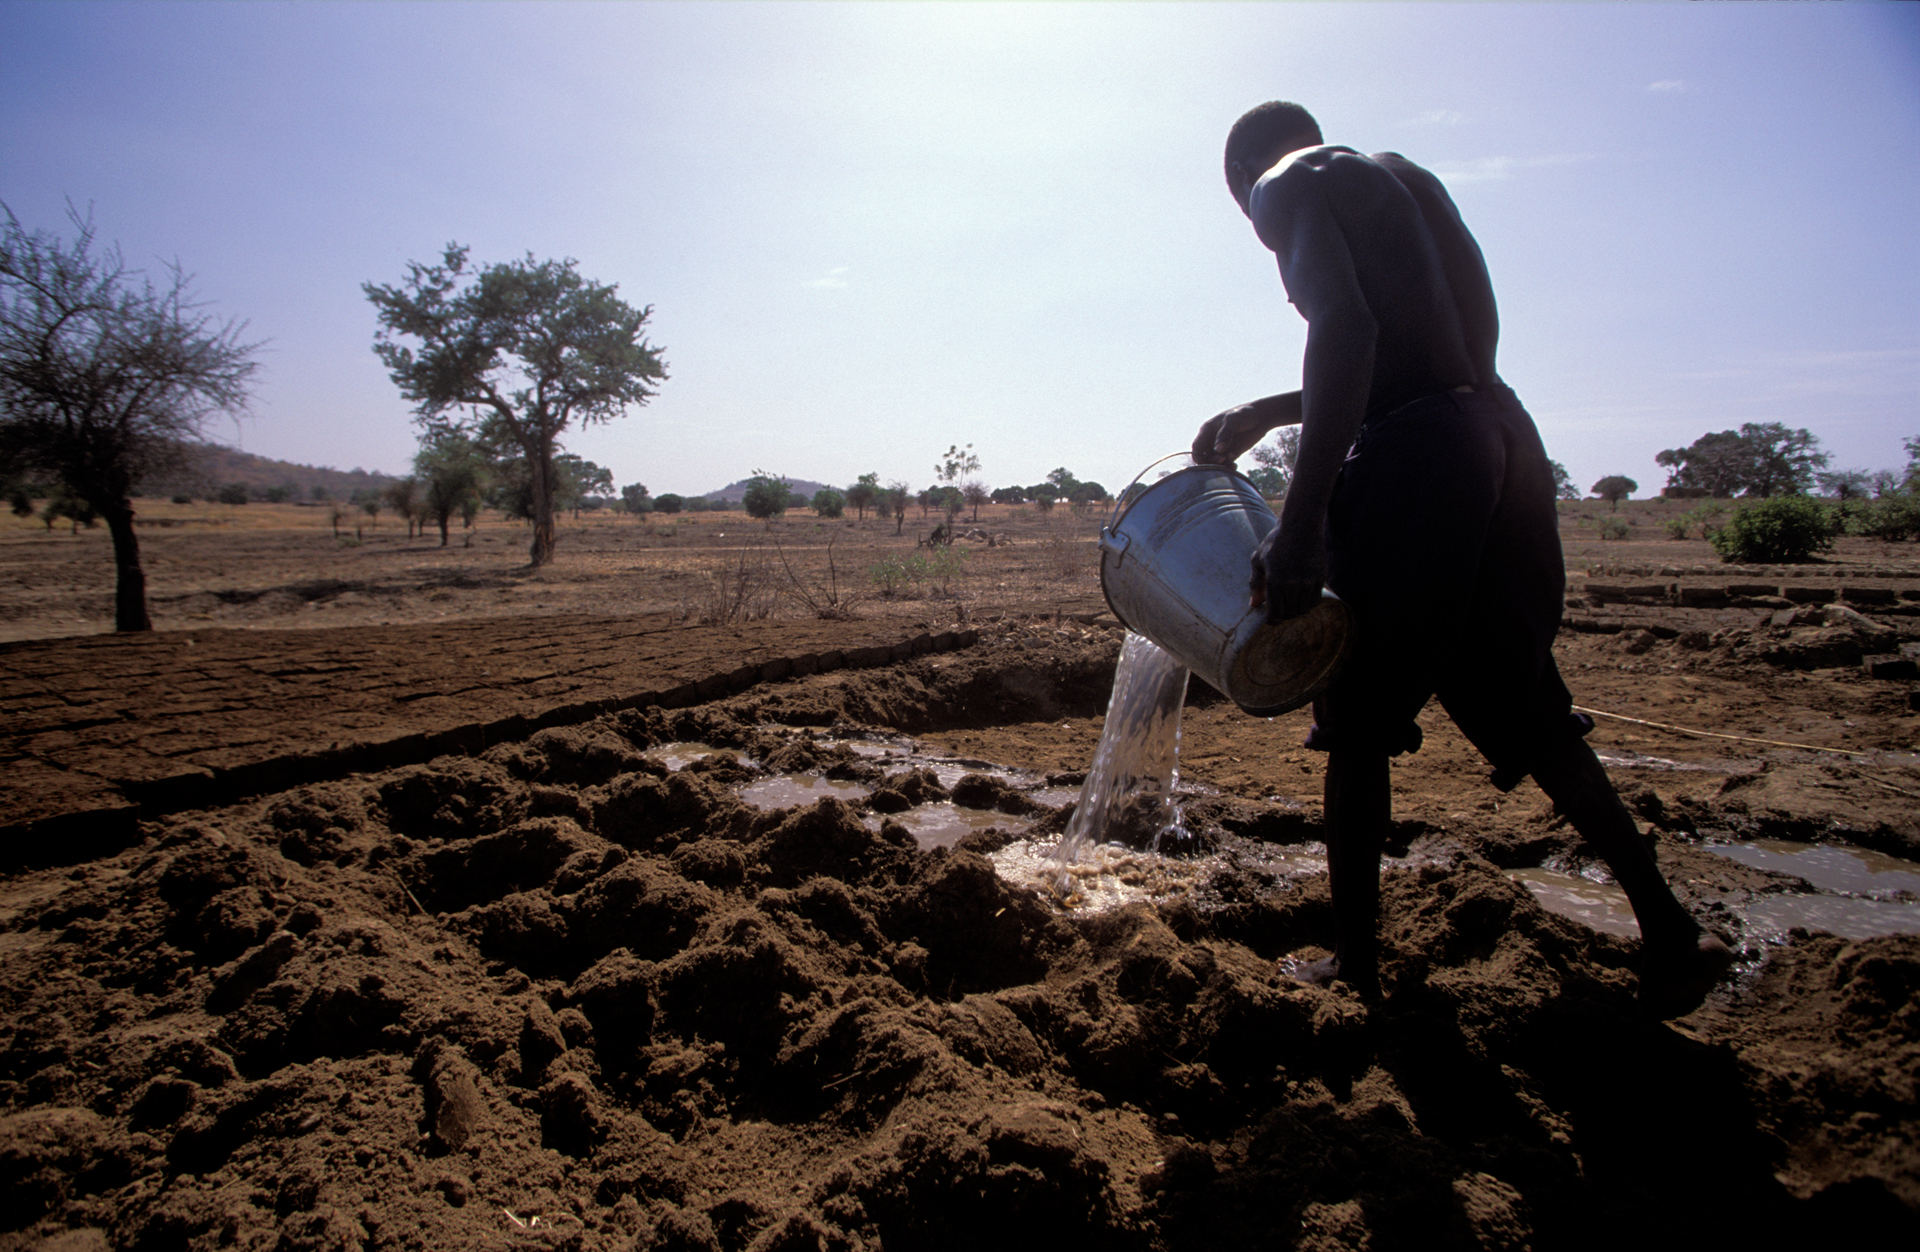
1263,135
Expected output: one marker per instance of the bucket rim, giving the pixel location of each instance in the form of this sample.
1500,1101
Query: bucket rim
1122,506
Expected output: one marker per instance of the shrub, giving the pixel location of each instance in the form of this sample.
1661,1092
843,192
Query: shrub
767,496
894,574
1615,527
232,493
1888,518
944,564
829,503
1783,529
1702,515
182,498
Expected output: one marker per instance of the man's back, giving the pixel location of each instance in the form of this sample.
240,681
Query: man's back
1412,261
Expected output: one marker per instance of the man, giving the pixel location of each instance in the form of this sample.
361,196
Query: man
1423,498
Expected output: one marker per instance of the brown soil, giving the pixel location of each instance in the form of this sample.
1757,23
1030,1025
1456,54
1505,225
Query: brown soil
532,989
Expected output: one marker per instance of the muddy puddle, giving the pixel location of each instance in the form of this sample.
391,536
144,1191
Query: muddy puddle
1853,893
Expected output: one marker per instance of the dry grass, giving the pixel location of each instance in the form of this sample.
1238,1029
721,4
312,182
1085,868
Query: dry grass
265,565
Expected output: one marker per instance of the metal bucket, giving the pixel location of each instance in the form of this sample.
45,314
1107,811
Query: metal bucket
1174,564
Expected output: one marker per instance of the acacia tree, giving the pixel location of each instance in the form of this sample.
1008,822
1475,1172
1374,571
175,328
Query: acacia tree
958,464
766,497
526,349
404,497
453,471
893,503
863,495
1761,459
106,377
1563,488
1614,488
1276,460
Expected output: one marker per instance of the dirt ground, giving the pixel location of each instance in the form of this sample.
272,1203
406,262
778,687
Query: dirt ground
548,990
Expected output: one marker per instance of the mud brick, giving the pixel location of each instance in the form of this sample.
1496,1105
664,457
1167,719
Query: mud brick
1630,591
1910,593
678,697
776,669
1591,625
804,664
1913,698
1855,594
1702,597
1807,595
1753,589
1890,665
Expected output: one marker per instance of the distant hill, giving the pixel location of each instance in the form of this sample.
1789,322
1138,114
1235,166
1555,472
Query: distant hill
733,493
214,466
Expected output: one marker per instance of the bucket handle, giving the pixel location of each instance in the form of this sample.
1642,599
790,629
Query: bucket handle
1119,501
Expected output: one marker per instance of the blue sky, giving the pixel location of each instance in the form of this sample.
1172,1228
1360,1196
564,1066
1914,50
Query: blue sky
869,231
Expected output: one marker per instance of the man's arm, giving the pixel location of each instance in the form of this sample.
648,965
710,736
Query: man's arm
1293,210
1225,436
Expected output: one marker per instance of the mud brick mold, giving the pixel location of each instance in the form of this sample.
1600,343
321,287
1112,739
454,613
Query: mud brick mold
176,720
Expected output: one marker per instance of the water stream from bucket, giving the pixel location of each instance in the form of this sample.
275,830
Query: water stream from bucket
1128,794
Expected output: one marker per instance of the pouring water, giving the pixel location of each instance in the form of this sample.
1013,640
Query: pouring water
1128,794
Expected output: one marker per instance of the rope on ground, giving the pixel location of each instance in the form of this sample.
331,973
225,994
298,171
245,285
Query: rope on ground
1714,734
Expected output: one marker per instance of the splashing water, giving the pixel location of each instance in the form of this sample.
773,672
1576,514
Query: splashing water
1128,795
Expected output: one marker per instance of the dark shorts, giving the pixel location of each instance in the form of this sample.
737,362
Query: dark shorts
1444,538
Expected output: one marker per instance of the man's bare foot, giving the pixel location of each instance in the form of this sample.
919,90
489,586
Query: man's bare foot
1675,979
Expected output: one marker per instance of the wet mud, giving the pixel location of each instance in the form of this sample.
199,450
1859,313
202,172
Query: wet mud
576,991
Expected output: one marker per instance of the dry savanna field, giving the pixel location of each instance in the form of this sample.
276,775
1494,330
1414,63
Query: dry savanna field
671,897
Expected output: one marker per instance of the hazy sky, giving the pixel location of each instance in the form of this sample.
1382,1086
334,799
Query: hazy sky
872,230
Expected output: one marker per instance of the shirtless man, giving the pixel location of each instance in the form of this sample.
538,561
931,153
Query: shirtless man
1423,498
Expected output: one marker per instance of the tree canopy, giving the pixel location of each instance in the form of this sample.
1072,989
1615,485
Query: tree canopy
767,496
863,494
526,349
1563,487
105,377
1275,461
454,472
1760,459
1614,488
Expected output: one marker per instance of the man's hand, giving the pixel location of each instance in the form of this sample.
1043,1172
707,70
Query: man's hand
1224,437
1289,569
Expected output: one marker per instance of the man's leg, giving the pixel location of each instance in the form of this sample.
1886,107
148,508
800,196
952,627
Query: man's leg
1680,961
1359,805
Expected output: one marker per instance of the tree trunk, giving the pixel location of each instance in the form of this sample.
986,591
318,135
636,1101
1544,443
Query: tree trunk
130,587
540,462
445,521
